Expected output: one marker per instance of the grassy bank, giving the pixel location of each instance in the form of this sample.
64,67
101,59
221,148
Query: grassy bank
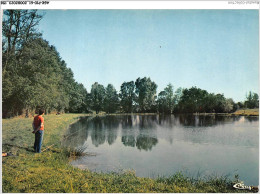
241,112
51,172
247,112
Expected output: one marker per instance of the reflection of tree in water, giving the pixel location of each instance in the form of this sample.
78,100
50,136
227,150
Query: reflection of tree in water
127,122
251,119
138,131
144,142
205,120
167,120
147,122
77,133
111,124
137,123
103,129
98,135
129,140
128,136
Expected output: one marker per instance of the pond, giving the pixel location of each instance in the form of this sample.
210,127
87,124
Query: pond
157,145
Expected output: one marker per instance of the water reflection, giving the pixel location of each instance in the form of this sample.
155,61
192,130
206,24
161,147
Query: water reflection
129,140
144,142
143,132
165,144
206,121
252,119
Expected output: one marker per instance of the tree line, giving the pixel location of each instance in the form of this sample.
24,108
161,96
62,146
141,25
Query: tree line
34,75
141,97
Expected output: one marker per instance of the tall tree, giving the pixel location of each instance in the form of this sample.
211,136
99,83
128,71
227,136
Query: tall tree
127,96
166,100
19,27
146,94
111,101
78,96
161,102
97,96
177,97
36,77
252,100
219,103
169,98
192,100
33,72
229,105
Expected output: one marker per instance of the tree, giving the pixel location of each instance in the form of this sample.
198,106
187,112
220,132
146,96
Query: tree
97,96
166,100
78,96
252,100
19,27
177,97
34,75
198,100
210,103
161,102
219,103
40,78
127,96
192,100
169,98
146,94
228,105
35,79
240,105
111,101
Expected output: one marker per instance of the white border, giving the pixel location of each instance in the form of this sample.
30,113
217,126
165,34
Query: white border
135,5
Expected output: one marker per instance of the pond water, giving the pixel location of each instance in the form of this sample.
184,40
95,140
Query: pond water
155,145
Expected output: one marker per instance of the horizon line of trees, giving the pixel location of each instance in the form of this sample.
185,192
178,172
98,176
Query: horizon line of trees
141,97
34,75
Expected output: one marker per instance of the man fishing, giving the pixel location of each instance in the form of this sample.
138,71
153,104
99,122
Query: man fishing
38,130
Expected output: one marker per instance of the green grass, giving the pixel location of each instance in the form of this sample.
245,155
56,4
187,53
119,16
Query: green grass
51,172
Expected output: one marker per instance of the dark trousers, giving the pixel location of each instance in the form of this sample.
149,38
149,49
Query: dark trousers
38,141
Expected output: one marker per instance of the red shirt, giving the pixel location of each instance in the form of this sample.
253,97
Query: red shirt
38,120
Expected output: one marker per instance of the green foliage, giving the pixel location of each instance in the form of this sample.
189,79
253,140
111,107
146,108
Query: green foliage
33,72
197,100
97,96
127,96
111,101
144,142
252,100
145,90
192,100
78,98
166,100
19,26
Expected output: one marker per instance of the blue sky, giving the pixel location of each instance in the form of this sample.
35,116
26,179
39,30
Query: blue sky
215,50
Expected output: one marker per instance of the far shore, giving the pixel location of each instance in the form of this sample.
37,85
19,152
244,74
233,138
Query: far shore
241,112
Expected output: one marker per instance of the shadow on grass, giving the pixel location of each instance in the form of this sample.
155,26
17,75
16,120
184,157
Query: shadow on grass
27,148
20,147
